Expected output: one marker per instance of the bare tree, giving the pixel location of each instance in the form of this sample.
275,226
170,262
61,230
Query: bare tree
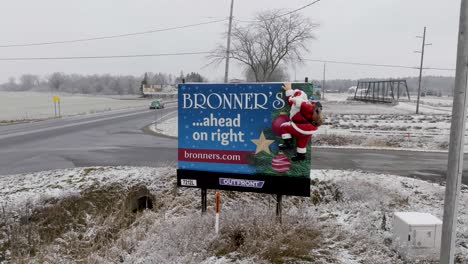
160,78
278,75
266,43
28,81
56,80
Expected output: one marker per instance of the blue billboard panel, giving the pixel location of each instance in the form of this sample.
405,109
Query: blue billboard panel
247,130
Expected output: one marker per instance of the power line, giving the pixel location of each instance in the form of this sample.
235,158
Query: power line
439,69
201,53
363,64
285,14
104,57
206,52
299,9
110,36
378,65
139,33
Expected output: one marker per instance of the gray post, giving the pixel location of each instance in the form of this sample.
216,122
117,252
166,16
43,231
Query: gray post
228,47
457,136
60,115
279,199
323,81
55,109
421,68
203,200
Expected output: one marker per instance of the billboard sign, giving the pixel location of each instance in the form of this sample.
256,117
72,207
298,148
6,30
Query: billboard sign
245,137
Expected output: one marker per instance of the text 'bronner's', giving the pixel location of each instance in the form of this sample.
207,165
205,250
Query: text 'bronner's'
247,101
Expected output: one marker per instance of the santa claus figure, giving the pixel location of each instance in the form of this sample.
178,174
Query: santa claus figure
301,126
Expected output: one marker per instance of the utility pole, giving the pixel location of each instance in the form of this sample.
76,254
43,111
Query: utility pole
457,138
323,81
421,66
228,49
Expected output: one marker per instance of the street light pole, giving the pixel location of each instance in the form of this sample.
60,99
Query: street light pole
228,47
457,138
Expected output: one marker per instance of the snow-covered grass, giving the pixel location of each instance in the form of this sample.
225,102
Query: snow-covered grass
387,126
168,127
359,124
83,215
15,106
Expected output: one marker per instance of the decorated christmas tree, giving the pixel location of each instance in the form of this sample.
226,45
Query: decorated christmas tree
272,161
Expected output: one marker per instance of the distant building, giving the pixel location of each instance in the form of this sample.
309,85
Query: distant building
152,88
159,91
236,81
352,89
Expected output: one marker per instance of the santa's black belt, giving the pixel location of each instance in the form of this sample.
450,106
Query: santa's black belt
301,122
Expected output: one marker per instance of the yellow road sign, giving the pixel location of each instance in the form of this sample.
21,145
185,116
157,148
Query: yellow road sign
56,98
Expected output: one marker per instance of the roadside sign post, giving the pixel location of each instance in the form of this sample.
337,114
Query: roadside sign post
279,199
56,100
203,200
218,200
456,152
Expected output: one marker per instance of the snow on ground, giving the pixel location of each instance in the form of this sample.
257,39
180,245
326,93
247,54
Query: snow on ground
435,101
424,108
20,189
168,127
352,210
427,131
35,105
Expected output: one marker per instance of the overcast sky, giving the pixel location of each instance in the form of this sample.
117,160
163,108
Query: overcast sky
367,31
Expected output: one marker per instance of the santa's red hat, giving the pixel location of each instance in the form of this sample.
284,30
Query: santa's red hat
301,94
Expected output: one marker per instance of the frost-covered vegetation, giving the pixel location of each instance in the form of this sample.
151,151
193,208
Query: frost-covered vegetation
27,106
357,124
89,215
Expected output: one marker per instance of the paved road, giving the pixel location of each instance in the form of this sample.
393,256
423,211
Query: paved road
117,138
423,165
113,138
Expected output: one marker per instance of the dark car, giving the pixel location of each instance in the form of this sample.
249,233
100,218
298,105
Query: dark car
156,105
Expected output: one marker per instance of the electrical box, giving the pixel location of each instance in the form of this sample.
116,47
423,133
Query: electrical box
417,233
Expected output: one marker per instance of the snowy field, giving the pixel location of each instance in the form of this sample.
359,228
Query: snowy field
80,215
359,124
17,106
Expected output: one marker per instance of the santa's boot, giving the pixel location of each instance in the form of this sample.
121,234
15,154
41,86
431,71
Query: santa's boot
287,144
299,157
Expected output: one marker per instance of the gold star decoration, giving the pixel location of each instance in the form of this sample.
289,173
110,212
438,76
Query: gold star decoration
263,144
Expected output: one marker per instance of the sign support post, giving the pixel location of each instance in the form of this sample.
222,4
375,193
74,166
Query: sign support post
218,198
56,100
279,199
203,200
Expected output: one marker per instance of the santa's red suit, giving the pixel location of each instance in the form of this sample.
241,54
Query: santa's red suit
300,126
